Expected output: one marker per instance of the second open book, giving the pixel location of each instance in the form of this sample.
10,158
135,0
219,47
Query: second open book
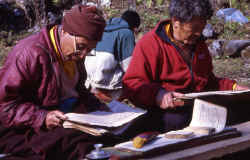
205,116
101,122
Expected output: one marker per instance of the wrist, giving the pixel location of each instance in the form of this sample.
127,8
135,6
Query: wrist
234,87
159,96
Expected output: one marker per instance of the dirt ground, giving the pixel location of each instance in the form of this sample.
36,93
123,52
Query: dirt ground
234,68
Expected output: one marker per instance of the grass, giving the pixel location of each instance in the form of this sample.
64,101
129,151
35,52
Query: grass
8,40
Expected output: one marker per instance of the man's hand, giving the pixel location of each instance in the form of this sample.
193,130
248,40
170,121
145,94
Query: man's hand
169,99
54,119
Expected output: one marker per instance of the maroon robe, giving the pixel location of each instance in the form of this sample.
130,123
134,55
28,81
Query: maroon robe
30,88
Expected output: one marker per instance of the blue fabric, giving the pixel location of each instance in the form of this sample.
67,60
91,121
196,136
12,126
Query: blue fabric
67,105
117,39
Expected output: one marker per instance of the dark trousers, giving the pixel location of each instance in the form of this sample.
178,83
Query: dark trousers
60,143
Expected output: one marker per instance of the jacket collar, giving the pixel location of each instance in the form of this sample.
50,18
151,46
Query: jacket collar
161,32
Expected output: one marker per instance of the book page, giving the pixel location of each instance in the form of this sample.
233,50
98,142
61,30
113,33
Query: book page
207,114
210,93
86,129
120,115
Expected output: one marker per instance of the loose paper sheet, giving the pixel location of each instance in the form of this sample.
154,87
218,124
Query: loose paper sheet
120,115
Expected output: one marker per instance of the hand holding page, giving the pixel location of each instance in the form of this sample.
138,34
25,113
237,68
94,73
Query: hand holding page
101,122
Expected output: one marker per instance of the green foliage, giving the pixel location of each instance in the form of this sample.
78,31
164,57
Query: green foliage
234,4
112,12
59,3
150,20
149,3
159,2
138,2
56,2
7,41
232,30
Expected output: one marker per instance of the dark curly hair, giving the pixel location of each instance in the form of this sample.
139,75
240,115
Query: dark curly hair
185,10
132,17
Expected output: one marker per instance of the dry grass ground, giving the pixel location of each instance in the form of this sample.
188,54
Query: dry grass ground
233,68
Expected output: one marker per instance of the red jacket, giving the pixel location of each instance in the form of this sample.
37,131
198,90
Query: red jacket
30,84
156,63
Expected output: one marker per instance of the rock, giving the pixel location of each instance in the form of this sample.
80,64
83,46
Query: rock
219,27
216,48
245,55
232,15
208,31
220,48
234,47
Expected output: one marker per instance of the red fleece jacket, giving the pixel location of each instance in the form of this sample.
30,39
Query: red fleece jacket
156,63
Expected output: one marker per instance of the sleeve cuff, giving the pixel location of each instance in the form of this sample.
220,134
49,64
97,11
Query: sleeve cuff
40,120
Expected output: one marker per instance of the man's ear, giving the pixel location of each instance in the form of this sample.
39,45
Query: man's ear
64,32
175,23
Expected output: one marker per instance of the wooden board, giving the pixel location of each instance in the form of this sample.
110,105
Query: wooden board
212,150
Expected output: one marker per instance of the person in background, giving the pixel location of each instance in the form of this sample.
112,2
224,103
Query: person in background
170,60
108,62
41,79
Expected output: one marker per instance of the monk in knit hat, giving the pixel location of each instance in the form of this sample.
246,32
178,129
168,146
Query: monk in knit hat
41,80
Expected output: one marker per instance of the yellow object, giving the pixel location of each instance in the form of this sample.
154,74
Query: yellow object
68,66
138,142
234,86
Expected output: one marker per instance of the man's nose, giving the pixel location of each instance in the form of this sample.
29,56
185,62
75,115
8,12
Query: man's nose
198,33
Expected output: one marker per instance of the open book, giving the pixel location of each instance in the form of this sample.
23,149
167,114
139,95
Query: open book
217,93
101,122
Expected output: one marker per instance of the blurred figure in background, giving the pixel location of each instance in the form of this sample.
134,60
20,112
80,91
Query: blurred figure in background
108,62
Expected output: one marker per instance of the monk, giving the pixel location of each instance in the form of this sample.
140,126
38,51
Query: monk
41,80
